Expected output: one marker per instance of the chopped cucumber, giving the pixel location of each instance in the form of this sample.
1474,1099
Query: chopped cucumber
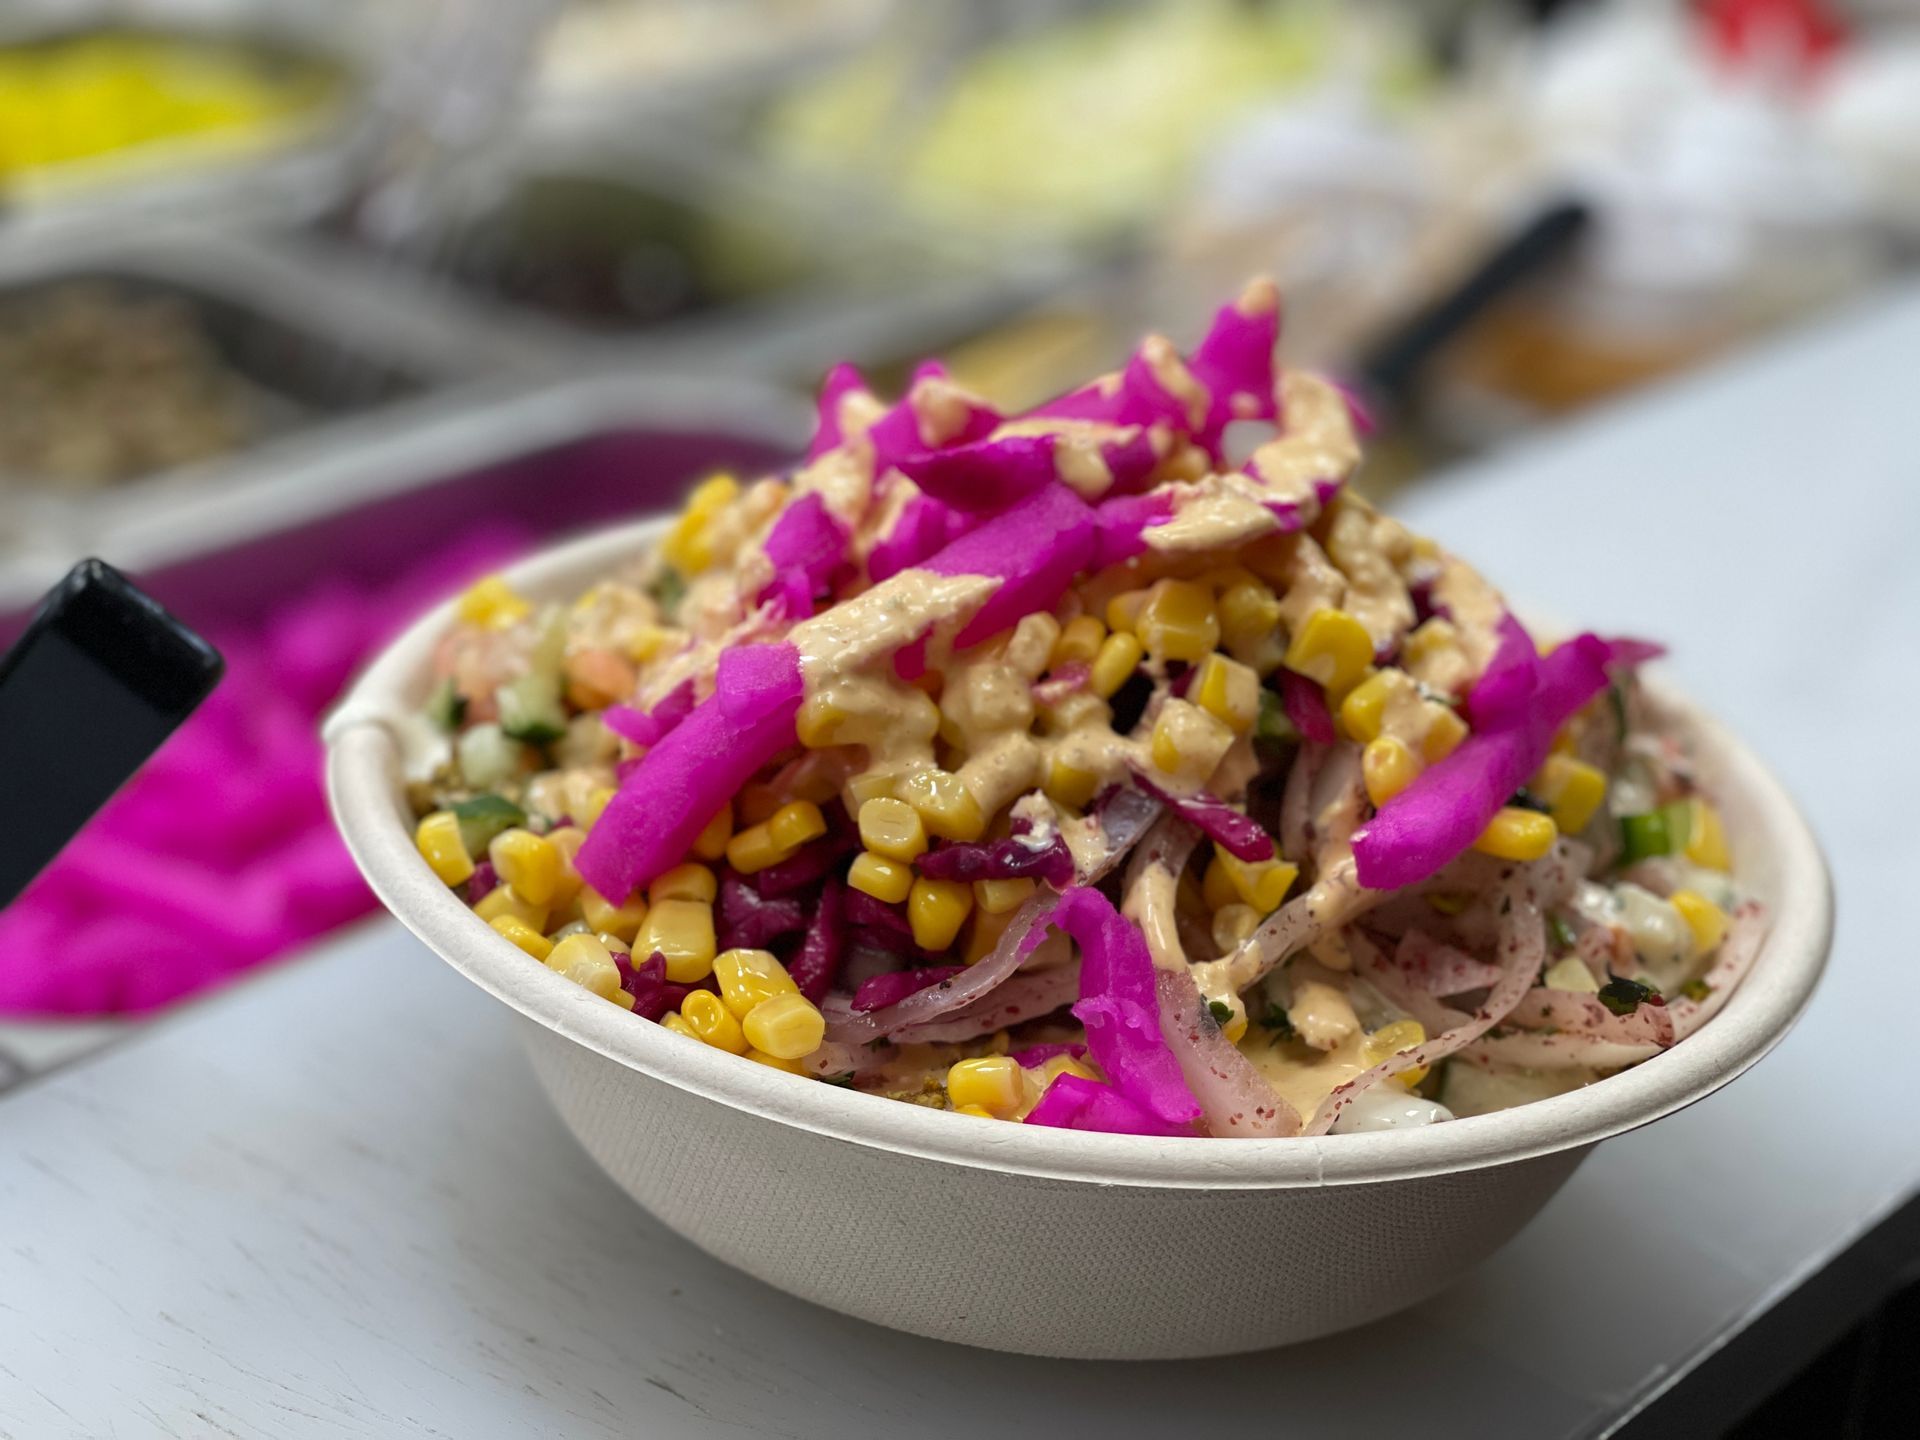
1644,836
446,707
483,817
487,757
530,710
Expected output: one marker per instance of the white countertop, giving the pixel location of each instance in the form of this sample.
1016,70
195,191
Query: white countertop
334,1203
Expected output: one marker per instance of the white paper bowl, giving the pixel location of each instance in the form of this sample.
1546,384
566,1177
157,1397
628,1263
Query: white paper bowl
1045,1241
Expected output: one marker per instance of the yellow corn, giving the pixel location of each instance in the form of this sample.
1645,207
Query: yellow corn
997,897
1216,887
1178,621
774,1062
528,862
612,942
513,928
1574,790
870,785
1570,972
437,838
711,843
1390,1040
1075,711
681,932
1332,648
978,1112
502,901
493,603
709,1019
1250,625
936,909
672,1021
1516,834
1080,640
1263,884
1188,743
892,828
880,877
947,808
683,882
983,934
1123,611
1706,920
818,722
622,999
785,1026
1428,641
1119,656
992,1082
1387,767
749,977
1228,691
600,913
1232,924
1706,837
754,849
1067,1065
688,546
1445,731
566,842
1069,785
598,799
794,825
586,962
1366,704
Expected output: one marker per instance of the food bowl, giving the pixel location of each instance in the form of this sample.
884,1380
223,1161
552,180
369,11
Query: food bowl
1042,1241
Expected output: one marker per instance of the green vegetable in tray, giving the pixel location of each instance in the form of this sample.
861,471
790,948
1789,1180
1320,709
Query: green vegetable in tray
483,817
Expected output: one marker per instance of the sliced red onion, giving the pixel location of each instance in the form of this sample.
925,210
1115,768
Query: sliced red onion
1027,996
1438,969
1237,1102
1746,930
1576,1013
1235,833
1062,682
1393,985
1536,1051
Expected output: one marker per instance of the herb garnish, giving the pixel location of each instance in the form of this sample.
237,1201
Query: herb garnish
1562,933
1220,1010
1279,1022
1623,996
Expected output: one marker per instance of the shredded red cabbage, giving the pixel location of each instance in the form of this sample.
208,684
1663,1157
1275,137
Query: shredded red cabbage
868,912
752,921
1306,706
1009,859
1034,1056
809,863
1237,834
816,964
896,985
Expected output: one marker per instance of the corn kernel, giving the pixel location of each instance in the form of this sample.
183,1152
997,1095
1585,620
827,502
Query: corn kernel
493,603
892,828
785,1026
1123,611
774,1062
516,930
1119,657
947,808
1574,790
709,1019
992,1082
1706,920
1069,785
612,942
1332,648
1178,622
1228,691
528,862
683,882
1570,972
870,785
600,913
437,838
501,900
1216,888
1389,1040
997,897
982,934
818,722
936,909
880,877
672,1021
1188,743
1706,837
1250,626
711,843
1234,1026
748,977
754,849
1263,884
1445,731
978,1112
1387,767
566,842
1362,712
681,932
1232,924
689,544
622,999
1080,640
1516,834
794,825
1081,709
586,962
598,799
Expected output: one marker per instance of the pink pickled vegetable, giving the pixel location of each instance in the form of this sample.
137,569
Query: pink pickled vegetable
650,727
1506,685
1120,524
1235,363
1306,706
1034,548
897,436
807,544
896,985
987,475
1235,833
1119,1009
843,380
1034,1056
696,769
1073,1102
925,526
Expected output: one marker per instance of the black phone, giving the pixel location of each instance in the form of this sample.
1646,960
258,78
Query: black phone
99,678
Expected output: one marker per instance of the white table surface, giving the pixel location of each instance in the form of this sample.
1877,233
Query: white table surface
334,1203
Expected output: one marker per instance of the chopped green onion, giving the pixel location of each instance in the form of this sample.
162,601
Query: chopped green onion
1644,836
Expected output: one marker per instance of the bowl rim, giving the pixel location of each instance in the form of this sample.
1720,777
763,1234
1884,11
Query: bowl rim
365,736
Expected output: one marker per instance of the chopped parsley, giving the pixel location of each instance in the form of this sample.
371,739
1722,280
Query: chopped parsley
669,588
1278,1022
1623,996
1220,1010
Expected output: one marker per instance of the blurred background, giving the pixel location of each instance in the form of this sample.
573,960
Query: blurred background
311,310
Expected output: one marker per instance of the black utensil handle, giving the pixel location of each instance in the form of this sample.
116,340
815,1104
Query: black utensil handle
1390,365
99,678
